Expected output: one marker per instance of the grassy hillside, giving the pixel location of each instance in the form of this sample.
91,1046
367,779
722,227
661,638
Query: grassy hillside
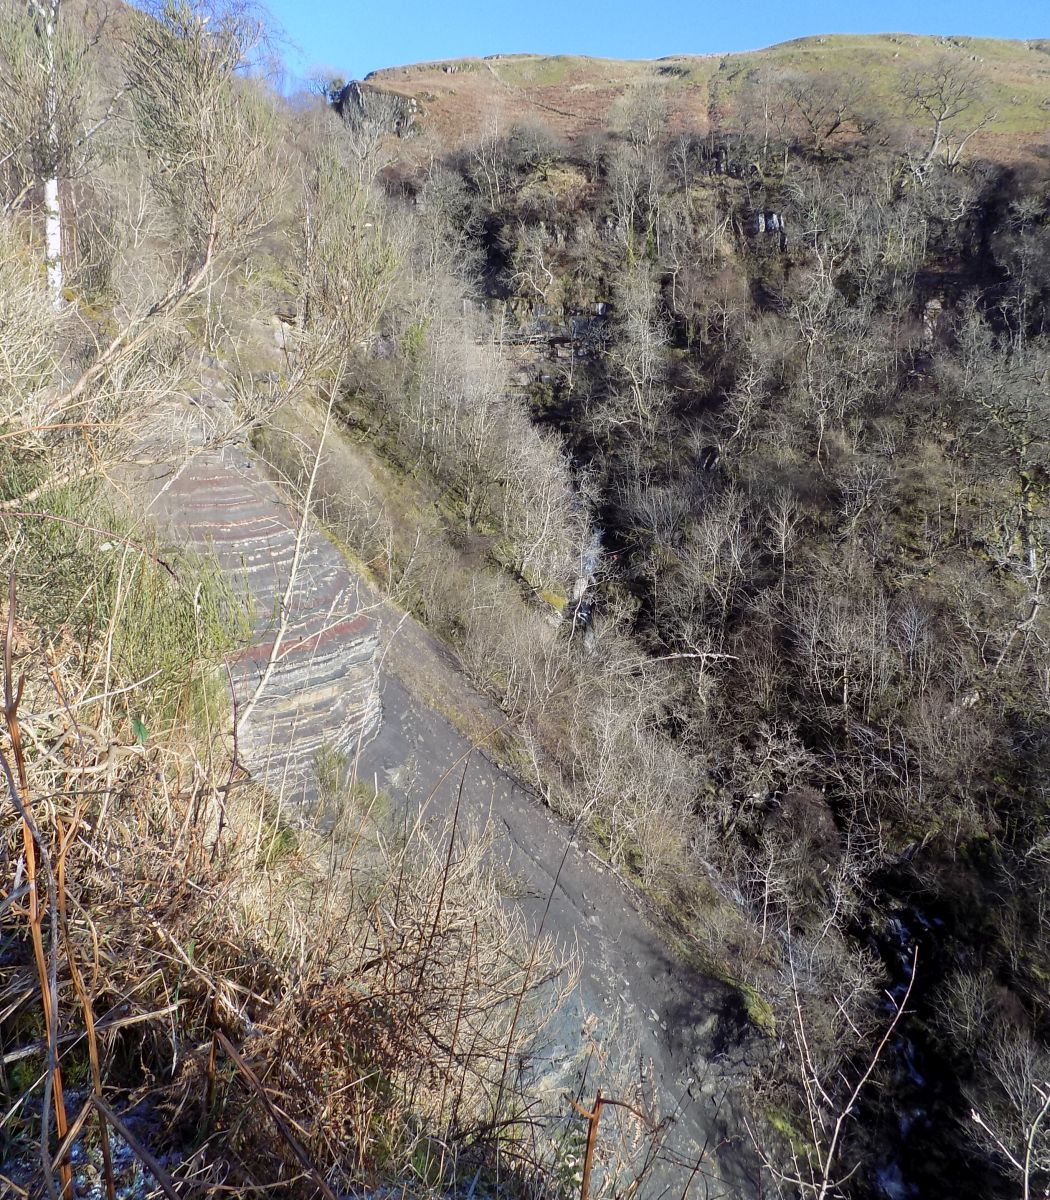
575,94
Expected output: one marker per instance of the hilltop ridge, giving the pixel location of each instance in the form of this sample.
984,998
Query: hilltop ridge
576,94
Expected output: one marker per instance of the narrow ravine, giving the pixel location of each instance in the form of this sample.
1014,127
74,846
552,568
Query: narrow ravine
637,1014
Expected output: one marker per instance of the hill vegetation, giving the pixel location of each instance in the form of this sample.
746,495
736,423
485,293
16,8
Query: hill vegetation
576,96
701,408
768,337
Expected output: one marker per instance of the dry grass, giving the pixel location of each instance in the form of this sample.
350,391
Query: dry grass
574,95
236,1004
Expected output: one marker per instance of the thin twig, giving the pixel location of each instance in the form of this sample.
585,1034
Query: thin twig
46,965
85,1006
106,533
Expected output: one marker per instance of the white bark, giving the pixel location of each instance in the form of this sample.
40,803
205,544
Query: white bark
53,239
47,31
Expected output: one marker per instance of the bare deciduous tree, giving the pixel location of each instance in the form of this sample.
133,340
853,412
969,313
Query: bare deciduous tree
826,107
1009,1113
948,94
46,129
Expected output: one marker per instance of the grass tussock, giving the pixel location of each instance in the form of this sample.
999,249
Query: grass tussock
161,619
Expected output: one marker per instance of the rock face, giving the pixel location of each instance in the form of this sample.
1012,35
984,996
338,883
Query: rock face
638,1017
359,104
933,322
308,681
769,224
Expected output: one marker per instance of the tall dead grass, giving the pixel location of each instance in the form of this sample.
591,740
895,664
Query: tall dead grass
199,996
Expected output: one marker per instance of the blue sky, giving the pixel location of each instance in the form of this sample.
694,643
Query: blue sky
354,39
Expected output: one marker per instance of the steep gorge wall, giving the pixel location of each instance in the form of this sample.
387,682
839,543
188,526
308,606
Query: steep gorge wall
308,680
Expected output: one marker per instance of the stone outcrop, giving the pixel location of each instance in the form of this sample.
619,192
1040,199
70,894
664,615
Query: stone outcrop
360,104
769,224
652,1017
309,678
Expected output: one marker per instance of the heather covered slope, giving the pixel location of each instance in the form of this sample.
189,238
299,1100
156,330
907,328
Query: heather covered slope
576,95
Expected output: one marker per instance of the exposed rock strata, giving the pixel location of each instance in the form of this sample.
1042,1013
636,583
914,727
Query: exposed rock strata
308,680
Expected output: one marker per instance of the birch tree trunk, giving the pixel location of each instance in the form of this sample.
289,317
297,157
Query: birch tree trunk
46,15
